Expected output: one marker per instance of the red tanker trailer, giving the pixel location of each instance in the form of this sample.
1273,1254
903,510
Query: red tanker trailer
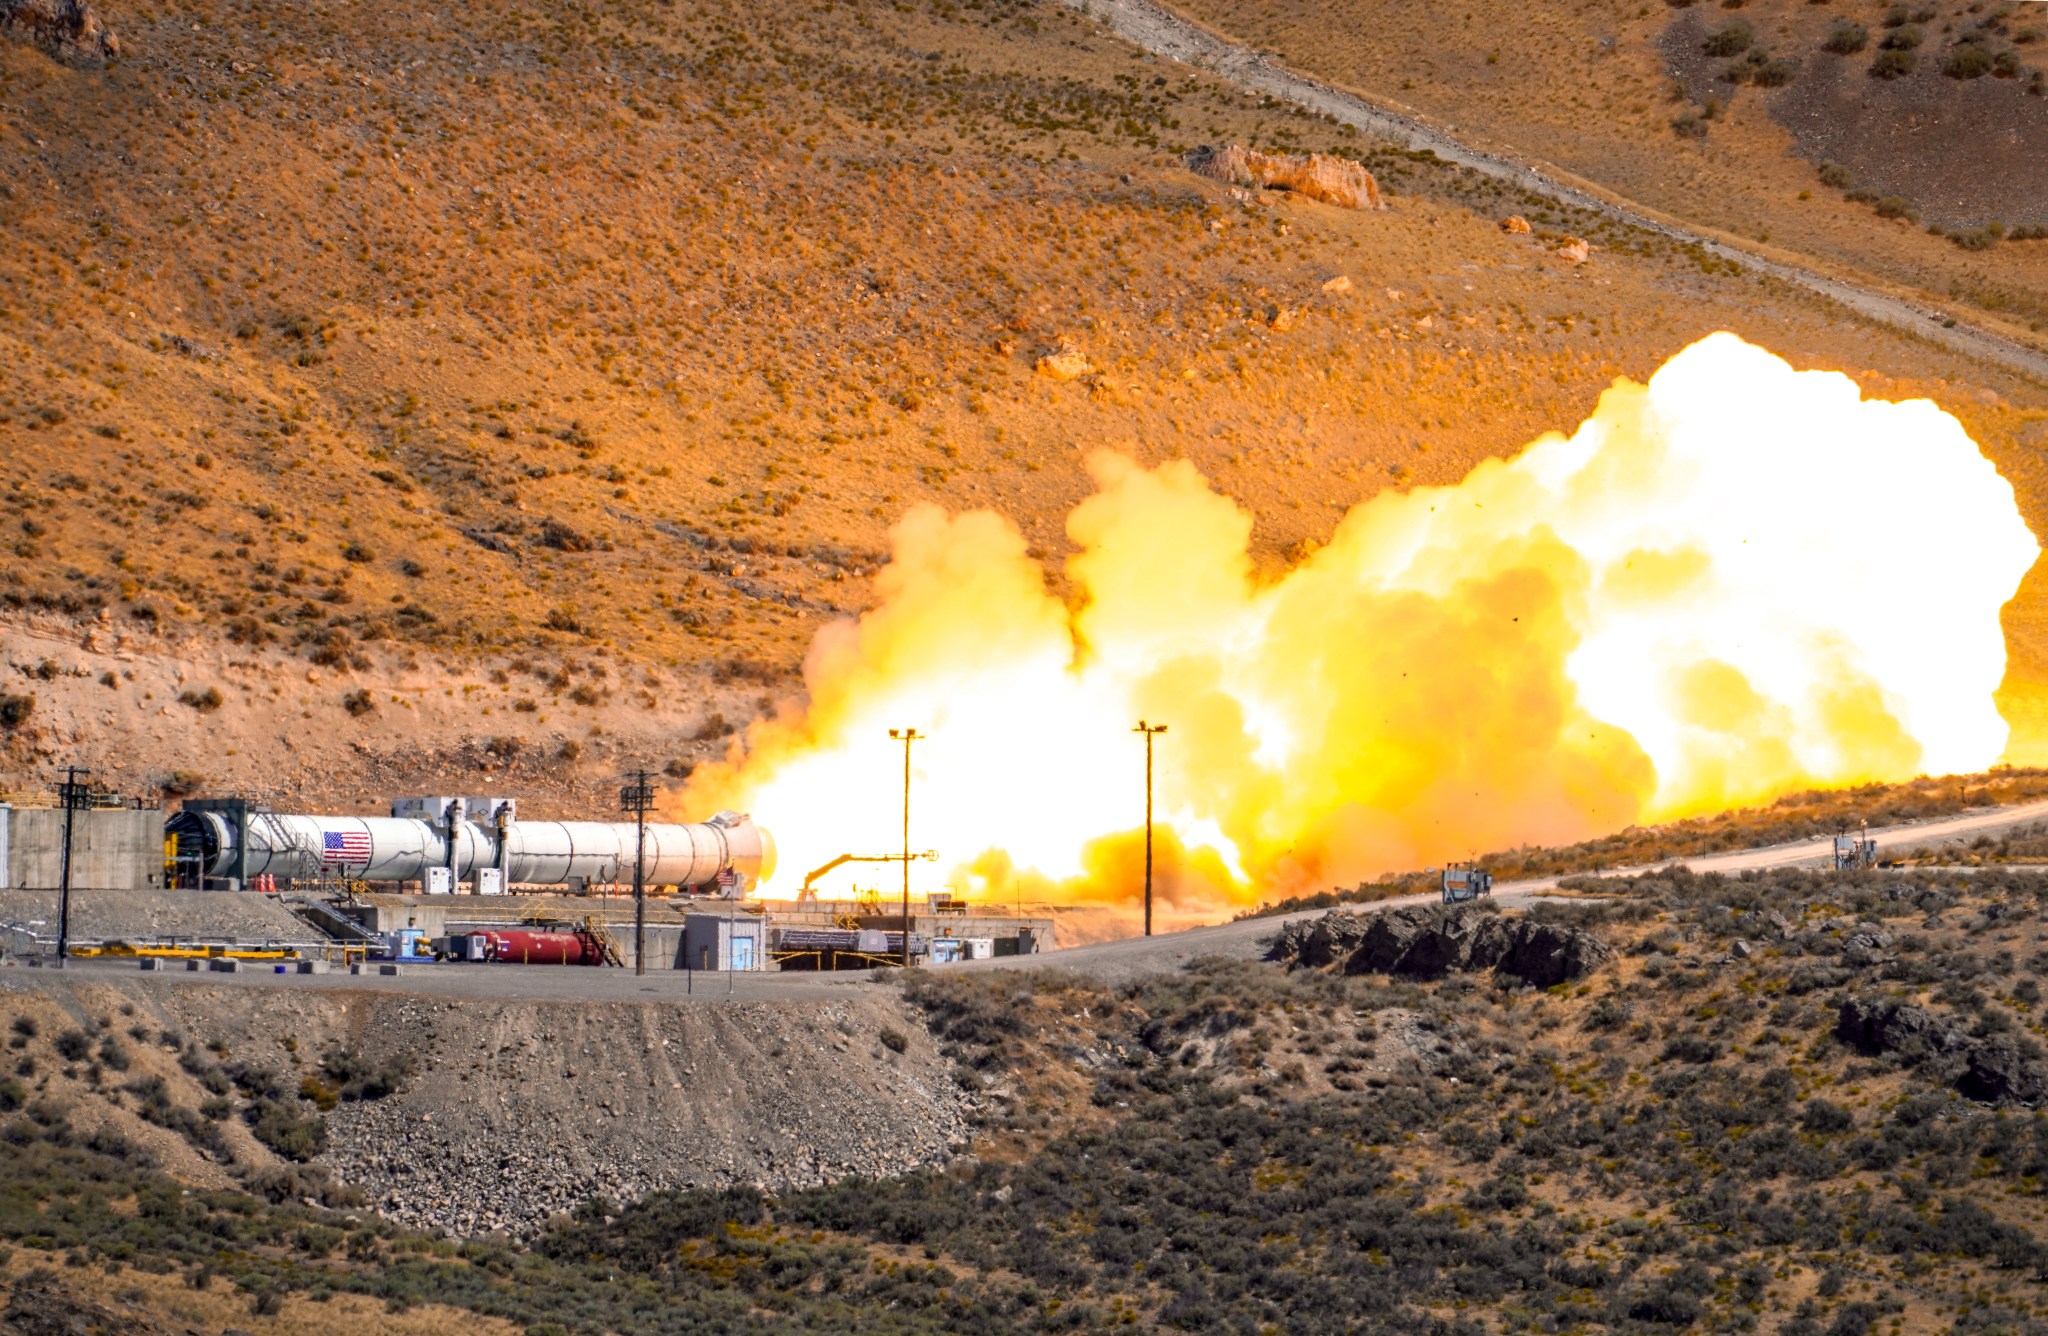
521,946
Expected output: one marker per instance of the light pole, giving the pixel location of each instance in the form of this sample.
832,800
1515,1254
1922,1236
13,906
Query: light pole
906,736
1150,731
637,798
75,797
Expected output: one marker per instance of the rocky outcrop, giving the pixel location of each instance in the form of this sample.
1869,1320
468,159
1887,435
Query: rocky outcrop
1328,940
67,30
1992,1070
1878,1025
1065,361
1319,176
1430,942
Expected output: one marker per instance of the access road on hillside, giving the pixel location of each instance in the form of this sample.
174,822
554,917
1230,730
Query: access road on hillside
1164,33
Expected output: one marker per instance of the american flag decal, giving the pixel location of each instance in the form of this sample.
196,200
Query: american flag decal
345,846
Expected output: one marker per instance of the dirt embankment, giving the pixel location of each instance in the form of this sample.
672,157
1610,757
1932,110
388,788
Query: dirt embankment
512,1110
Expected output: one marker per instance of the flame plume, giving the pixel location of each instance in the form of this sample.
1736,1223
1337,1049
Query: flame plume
1733,582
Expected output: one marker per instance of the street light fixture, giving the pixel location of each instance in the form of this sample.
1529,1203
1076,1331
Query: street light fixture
1150,731
906,736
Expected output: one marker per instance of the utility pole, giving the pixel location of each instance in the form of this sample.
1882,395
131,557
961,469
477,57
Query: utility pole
637,798
906,736
75,797
1150,731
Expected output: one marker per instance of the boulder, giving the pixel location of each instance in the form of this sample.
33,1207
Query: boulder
1877,1025
1335,286
1449,944
1547,954
1065,361
1430,942
1319,176
1999,1074
1385,944
66,30
1515,224
1574,251
1320,942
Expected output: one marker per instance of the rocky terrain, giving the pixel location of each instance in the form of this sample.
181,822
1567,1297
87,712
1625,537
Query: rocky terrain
488,1116
217,916
1430,942
1795,1101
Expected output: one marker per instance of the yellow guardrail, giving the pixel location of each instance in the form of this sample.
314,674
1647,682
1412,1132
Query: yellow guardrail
184,952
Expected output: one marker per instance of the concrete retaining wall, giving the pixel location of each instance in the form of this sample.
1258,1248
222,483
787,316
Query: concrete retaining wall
115,850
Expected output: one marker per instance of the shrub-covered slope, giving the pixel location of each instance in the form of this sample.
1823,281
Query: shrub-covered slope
1703,1132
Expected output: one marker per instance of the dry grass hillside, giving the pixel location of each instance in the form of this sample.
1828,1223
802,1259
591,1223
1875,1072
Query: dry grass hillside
1798,1103
519,388
1930,117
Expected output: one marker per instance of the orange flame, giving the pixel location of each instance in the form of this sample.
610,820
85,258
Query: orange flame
1733,582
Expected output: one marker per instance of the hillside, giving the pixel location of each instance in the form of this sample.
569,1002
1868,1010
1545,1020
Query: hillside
1799,1103
1902,142
370,370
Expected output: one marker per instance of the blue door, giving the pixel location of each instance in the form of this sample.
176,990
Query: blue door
743,953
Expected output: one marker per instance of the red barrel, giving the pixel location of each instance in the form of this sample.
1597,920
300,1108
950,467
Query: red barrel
520,947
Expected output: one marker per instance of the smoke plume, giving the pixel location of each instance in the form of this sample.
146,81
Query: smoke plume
1733,582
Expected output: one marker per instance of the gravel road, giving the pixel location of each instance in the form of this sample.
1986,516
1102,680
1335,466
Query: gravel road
1164,33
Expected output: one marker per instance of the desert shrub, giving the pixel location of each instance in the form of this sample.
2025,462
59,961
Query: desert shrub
25,1026
15,709
358,1077
1905,38
1774,73
1730,39
1846,38
280,1127
1967,61
1896,206
1691,1048
359,702
562,537
73,1045
894,1040
1892,64
205,1071
1825,1116
206,702
357,552
1978,238
1690,125
112,1054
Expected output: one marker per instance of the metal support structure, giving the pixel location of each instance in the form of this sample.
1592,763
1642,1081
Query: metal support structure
637,798
1150,731
76,798
906,736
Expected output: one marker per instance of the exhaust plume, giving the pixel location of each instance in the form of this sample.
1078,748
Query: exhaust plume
1731,583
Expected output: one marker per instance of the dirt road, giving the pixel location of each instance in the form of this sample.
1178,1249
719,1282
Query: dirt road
1119,962
1165,33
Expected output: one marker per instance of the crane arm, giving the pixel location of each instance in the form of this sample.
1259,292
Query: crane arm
930,855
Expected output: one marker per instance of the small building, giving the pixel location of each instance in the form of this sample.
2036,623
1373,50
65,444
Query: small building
724,941
112,848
